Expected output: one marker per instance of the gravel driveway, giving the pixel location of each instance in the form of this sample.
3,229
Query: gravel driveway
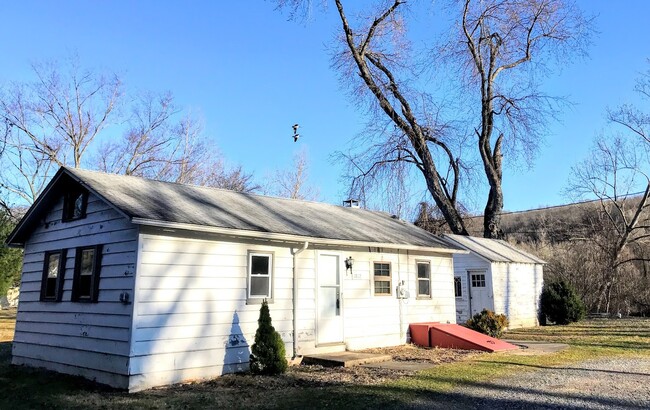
600,384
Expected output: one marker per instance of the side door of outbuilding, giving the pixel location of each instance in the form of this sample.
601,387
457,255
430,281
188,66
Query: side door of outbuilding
479,291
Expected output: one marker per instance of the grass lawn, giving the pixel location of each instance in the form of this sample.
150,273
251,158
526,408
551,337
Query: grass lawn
589,339
28,388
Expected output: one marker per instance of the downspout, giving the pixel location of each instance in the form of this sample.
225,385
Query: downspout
400,301
295,297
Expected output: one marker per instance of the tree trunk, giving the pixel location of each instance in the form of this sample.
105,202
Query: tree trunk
492,213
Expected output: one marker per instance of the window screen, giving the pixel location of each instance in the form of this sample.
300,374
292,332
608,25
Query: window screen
424,279
259,281
52,275
382,278
85,286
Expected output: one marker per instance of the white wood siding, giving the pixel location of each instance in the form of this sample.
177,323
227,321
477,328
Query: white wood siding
462,264
515,288
87,339
516,292
375,320
191,319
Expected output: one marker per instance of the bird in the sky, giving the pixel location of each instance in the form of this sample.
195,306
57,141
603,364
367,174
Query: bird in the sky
295,128
295,137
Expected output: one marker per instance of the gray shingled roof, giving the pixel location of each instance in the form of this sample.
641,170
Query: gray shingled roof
148,200
494,250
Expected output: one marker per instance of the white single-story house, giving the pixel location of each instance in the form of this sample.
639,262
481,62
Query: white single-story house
497,276
137,283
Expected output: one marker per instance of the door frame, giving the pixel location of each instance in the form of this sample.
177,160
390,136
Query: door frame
317,294
470,288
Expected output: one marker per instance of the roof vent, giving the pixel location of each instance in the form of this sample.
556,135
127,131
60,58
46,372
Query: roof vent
351,203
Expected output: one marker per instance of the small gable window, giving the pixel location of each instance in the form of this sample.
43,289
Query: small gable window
85,285
260,276
53,273
74,204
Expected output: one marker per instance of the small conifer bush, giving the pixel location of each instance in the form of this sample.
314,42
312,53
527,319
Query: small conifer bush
488,323
268,354
560,303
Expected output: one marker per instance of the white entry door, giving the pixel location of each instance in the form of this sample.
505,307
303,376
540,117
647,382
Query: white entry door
330,317
479,291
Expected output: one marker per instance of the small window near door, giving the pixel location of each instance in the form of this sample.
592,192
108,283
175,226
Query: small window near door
382,279
478,280
424,279
75,203
53,275
85,285
458,287
260,272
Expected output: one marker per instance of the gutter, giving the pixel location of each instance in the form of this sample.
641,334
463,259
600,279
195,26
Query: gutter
295,297
290,237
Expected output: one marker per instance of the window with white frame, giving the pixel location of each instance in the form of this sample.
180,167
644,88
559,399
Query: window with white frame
424,279
260,276
382,278
458,287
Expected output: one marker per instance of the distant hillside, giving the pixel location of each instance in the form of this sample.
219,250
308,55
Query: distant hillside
553,224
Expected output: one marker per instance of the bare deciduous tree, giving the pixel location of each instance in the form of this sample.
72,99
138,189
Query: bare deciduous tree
614,172
294,182
145,145
62,112
155,147
59,119
499,39
52,122
410,140
501,47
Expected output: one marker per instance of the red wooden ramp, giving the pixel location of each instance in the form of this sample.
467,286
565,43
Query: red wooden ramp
432,334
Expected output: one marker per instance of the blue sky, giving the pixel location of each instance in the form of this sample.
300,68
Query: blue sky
252,74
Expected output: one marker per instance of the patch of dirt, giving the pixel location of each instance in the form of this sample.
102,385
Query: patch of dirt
320,376
434,355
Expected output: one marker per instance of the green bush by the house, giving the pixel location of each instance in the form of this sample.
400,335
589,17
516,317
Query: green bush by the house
268,355
488,322
560,303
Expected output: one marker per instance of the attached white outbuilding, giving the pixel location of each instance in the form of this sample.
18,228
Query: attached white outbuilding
497,276
137,283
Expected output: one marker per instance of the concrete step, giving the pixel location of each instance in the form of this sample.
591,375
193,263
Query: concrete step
345,359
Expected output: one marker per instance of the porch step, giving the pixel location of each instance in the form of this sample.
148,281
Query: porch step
345,359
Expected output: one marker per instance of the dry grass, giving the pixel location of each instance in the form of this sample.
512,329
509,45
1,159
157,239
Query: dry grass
7,324
319,387
629,336
412,353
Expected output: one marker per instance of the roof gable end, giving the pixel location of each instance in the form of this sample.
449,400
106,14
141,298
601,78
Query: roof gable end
57,186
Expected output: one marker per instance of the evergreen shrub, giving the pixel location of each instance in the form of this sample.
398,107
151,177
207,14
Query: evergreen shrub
268,354
560,303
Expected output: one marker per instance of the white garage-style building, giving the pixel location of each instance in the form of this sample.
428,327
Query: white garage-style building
137,283
495,275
